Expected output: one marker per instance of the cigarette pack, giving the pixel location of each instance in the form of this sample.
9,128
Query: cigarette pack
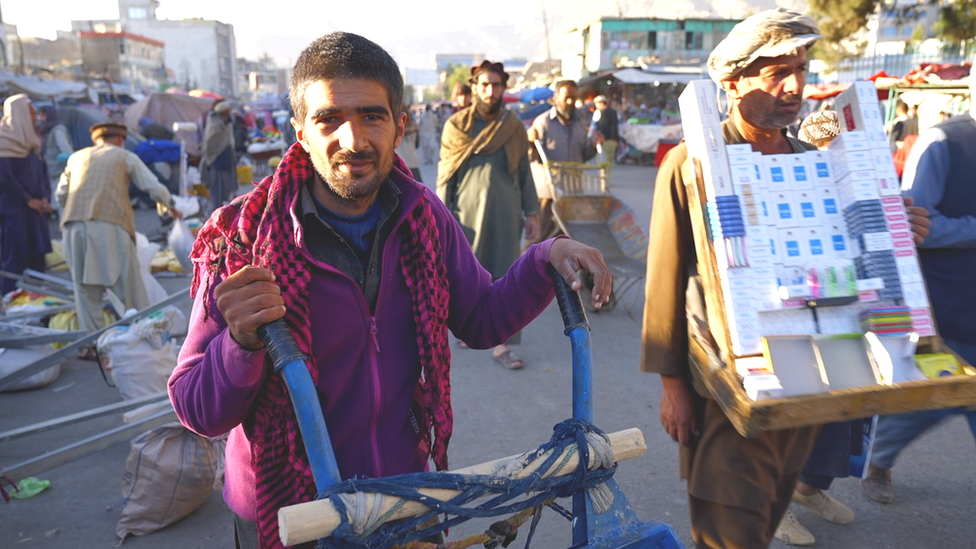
783,209
821,170
739,154
800,170
791,245
777,173
859,110
806,208
701,123
827,204
849,141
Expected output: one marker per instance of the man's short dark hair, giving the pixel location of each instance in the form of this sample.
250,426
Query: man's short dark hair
344,55
563,83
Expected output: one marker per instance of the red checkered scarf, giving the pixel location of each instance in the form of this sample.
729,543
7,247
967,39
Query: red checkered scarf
259,229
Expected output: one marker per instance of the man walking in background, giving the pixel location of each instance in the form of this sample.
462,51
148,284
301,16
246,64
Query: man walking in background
219,167
939,177
562,133
483,177
606,121
98,222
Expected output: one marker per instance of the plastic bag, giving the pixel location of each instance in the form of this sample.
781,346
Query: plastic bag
181,241
188,206
146,251
140,357
13,359
30,487
170,472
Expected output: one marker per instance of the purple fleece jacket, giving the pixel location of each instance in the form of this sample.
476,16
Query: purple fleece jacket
368,364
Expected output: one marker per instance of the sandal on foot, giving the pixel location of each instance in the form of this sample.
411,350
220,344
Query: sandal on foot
509,360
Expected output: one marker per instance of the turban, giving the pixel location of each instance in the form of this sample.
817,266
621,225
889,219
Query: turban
769,33
107,130
820,128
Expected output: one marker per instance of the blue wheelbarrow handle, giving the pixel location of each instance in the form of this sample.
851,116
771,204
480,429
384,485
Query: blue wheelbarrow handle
290,362
578,330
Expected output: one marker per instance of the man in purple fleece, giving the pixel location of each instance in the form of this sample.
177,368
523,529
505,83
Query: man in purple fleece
369,270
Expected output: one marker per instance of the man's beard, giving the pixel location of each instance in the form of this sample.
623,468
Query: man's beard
566,112
487,109
352,189
769,119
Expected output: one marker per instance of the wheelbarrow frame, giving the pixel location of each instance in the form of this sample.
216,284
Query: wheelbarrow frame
609,225
615,528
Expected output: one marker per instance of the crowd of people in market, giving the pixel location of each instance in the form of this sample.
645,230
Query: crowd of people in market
345,228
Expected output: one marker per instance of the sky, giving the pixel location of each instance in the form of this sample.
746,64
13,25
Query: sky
411,31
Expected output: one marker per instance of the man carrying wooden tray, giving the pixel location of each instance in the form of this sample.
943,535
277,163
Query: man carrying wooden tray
738,488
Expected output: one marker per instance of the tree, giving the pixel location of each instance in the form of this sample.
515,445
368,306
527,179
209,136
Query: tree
455,74
842,20
840,24
957,21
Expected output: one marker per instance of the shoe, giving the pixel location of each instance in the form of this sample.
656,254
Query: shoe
877,485
509,360
827,507
791,532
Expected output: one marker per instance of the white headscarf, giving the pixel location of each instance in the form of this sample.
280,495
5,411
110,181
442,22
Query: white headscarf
17,135
769,33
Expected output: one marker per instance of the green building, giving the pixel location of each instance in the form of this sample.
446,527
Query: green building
611,42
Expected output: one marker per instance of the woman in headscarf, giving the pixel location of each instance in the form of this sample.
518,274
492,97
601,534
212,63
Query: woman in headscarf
25,192
57,145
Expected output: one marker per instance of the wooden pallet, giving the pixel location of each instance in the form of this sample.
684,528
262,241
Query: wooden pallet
717,368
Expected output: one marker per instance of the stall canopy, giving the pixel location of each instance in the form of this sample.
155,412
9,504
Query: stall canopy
638,76
167,108
41,88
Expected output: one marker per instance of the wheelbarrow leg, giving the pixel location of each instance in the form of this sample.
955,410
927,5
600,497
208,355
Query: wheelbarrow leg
618,527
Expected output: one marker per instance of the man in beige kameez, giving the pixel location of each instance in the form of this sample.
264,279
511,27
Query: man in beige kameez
98,224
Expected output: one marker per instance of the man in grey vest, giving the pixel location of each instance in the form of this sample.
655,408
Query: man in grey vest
98,223
939,177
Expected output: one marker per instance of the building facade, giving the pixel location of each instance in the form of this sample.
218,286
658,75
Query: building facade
124,57
612,42
198,53
257,79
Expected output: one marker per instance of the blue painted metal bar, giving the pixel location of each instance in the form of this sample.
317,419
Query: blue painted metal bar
578,330
290,362
318,445
582,374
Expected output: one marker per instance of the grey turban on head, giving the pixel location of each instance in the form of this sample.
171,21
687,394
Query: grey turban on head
769,33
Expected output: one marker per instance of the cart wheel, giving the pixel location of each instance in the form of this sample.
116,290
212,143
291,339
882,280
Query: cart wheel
646,159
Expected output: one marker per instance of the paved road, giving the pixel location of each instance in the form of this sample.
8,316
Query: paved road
498,413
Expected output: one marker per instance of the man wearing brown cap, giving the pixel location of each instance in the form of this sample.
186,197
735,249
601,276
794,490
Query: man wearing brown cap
98,224
483,177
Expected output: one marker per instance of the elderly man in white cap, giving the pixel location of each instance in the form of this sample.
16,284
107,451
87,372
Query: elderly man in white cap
738,488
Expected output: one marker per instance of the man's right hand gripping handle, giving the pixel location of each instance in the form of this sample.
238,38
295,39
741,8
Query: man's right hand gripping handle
247,300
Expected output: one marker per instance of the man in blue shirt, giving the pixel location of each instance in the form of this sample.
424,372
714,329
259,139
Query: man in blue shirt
939,177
